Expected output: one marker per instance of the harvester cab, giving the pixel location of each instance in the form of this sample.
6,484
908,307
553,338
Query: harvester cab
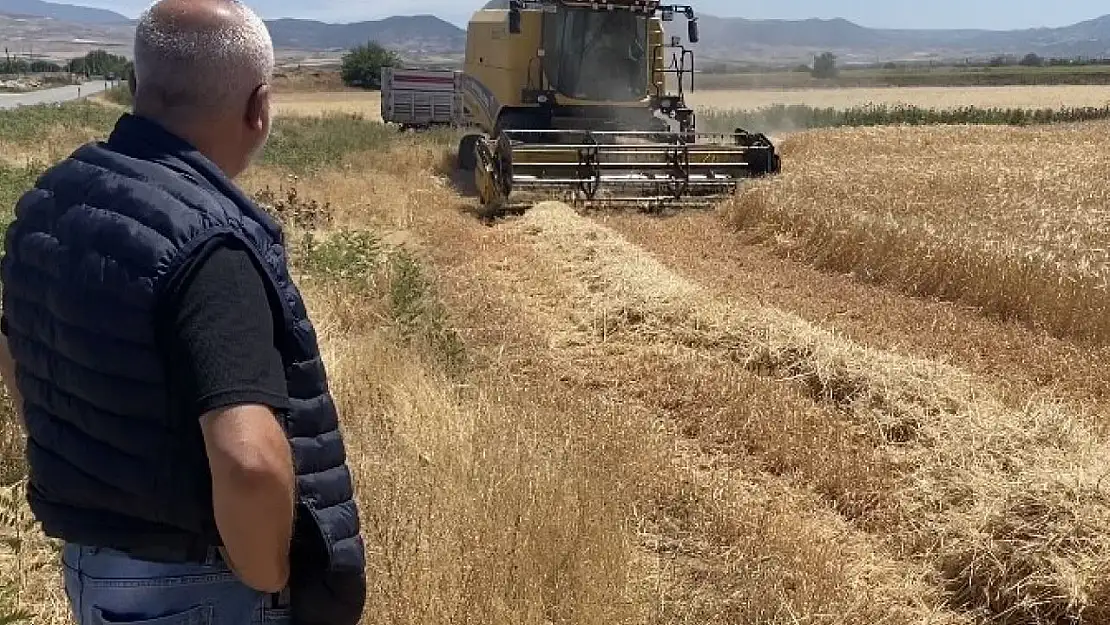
573,96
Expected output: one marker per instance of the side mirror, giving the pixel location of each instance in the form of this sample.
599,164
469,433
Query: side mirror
514,21
693,34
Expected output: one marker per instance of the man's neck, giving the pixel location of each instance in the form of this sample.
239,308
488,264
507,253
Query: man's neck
198,135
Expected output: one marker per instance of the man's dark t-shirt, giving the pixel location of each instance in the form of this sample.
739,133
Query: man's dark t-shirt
218,329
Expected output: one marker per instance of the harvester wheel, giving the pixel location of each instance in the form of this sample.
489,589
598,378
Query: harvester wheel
493,174
468,158
503,157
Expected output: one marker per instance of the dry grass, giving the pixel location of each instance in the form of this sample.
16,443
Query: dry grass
1038,97
1014,221
479,505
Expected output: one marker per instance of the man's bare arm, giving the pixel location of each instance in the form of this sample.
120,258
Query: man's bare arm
252,492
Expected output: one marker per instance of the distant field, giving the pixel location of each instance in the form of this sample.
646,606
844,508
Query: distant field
369,103
906,77
926,97
314,103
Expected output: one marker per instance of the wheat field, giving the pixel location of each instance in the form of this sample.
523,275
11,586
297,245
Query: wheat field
1022,233
871,390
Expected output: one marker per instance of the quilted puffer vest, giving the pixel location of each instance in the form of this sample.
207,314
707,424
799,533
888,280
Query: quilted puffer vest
112,460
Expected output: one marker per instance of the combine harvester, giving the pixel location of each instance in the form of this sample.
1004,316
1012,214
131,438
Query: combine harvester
571,97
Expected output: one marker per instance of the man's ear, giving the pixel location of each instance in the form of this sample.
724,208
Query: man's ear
257,106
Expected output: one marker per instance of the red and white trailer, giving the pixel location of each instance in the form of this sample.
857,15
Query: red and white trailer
420,98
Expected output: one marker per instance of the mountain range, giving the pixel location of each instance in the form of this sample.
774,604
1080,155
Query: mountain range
60,12
737,39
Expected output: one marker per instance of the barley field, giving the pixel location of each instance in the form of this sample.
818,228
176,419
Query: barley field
871,390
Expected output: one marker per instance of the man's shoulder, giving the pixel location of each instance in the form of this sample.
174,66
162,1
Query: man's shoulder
99,163
96,176
99,178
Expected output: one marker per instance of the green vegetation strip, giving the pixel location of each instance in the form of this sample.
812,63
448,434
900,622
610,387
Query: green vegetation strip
308,144
14,182
32,124
800,116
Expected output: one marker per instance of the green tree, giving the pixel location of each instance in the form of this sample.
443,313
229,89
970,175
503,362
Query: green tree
824,65
45,67
362,66
1031,60
99,63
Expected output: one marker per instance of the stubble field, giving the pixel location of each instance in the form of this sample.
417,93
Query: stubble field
872,390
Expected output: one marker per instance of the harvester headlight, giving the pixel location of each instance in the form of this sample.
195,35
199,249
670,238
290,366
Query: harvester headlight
542,99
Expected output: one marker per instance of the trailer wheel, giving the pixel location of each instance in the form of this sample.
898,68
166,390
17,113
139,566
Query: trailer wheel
468,160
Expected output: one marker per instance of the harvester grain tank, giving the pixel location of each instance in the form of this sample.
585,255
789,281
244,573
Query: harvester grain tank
572,95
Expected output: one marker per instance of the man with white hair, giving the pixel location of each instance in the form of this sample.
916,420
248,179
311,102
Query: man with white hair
181,437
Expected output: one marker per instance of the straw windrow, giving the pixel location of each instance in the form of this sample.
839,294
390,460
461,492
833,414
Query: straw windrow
1006,502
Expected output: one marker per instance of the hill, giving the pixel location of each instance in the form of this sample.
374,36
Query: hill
744,39
61,12
410,34
59,30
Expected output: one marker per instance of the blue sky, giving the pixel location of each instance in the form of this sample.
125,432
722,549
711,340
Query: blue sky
876,13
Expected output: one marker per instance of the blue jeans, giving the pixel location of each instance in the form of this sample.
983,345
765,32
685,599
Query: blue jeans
106,587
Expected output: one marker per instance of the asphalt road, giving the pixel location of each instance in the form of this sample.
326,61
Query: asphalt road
51,96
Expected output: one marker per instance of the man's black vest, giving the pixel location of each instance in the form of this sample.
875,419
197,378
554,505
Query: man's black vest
113,460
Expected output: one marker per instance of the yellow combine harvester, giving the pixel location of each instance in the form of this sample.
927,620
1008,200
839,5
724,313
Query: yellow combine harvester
571,95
